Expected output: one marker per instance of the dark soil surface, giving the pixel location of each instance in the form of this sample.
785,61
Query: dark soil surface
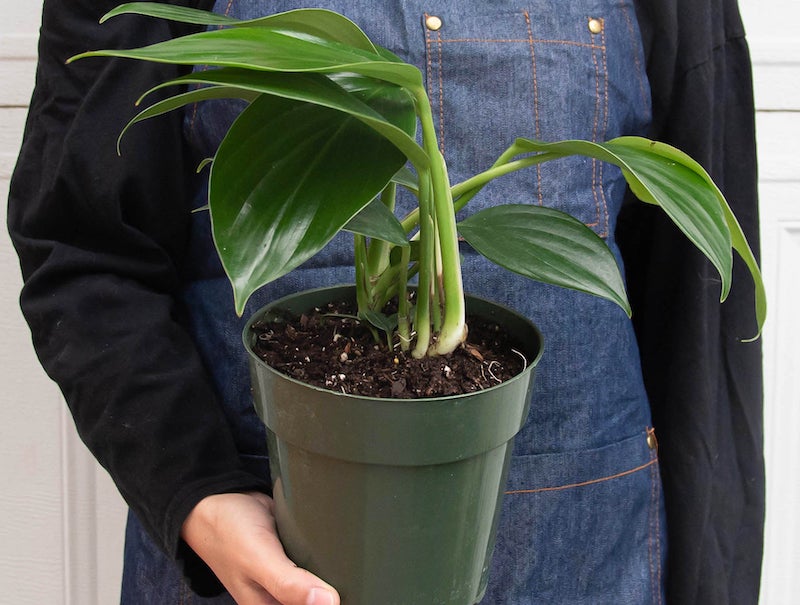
331,350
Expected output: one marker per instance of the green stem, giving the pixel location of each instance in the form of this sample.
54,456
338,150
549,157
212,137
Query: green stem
394,281
463,192
454,327
466,190
387,283
378,250
403,318
362,286
422,322
437,291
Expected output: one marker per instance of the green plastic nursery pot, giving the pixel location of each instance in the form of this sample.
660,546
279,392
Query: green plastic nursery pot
391,501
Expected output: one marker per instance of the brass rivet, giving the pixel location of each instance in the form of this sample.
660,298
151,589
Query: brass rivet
433,23
595,26
652,443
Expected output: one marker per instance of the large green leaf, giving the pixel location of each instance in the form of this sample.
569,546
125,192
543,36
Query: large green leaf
668,182
287,177
348,94
315,22
265,49
546,245
625,146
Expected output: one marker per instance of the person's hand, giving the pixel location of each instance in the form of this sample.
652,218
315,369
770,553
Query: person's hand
235,535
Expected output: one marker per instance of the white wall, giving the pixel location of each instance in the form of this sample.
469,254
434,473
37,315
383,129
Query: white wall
61,530
772,31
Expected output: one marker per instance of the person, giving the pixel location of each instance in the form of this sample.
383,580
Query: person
131,315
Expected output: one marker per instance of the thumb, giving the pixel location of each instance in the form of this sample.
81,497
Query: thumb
283,579
288,583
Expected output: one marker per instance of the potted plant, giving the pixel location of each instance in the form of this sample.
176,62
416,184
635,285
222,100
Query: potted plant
278,195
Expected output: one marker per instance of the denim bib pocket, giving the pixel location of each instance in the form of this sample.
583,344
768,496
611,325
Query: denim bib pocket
566,511
548,72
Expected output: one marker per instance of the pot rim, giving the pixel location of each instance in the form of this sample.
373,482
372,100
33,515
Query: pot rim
530,365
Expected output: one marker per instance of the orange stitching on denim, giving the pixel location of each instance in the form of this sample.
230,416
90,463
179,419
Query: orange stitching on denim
598,190
594,133
656,512
488,40
650,555
604,54
519,41
536,124
441,91
584,483
654,533
429,61
429,77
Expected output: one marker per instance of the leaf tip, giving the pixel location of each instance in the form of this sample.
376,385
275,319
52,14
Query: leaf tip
625,305
112,13
751,339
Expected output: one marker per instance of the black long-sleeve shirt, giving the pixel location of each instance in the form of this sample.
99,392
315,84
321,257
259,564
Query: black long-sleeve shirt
101,242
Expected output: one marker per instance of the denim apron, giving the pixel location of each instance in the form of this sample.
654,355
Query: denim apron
582,519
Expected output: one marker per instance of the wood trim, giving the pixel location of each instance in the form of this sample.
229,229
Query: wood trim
18,46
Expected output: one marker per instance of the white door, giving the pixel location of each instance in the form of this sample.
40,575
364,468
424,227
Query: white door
61,518
775,45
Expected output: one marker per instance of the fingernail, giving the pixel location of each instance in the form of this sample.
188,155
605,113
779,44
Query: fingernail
320,596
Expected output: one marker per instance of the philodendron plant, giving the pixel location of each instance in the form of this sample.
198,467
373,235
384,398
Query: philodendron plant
329,133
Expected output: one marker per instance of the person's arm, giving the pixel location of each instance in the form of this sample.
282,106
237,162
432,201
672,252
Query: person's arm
100,240
704,383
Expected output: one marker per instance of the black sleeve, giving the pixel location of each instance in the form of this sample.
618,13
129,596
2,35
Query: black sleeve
704,383
100,240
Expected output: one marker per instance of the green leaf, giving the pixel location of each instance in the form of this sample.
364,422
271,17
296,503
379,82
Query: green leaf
174,13
387,323
351,94
685,196
396,254
187,98
738,239
314,22
264,49
546,245
287,177
317,23
407,179
376,221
